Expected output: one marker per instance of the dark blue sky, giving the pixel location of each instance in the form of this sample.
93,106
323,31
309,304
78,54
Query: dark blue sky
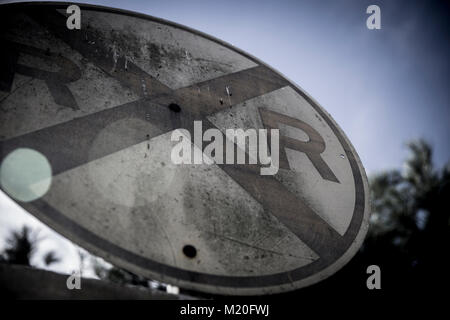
383,87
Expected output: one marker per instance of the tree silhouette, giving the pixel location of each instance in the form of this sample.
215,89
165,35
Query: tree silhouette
50,258
410,228
21,246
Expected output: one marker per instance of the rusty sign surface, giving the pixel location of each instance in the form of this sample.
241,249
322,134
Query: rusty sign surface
86,125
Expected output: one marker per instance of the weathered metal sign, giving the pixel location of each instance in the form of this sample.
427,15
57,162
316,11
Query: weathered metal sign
173,154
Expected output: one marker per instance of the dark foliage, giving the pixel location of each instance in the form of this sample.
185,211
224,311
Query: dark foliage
21,245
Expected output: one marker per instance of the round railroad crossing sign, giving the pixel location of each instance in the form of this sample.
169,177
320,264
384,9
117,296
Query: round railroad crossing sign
94,123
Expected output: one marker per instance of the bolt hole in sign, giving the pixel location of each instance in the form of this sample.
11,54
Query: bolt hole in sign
112,134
